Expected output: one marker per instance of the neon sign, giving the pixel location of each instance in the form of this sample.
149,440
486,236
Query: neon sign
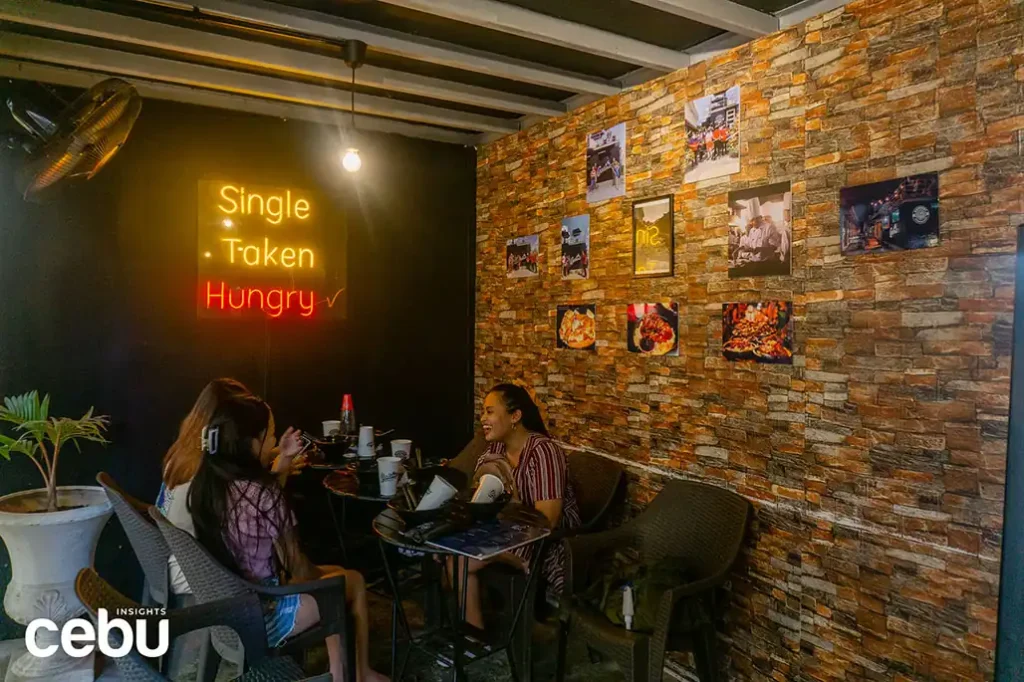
265,252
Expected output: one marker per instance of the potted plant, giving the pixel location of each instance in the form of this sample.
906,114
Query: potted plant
50,532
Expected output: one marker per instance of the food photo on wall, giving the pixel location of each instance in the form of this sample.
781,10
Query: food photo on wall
713,135
762,332
652,328
761,231
522,255
606,164
653,237
577,327
576,247
893,215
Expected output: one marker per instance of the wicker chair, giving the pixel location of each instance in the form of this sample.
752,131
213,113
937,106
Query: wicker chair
148,544
701,523
242,614
211,582
596,481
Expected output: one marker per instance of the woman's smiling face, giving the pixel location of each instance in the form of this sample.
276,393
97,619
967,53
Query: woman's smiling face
496,419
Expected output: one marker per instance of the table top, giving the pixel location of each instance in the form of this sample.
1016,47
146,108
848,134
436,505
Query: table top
388,526
345,483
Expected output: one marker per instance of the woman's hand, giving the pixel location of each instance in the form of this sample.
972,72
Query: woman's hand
290,444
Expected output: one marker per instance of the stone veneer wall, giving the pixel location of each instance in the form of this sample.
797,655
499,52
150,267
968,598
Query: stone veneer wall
875,462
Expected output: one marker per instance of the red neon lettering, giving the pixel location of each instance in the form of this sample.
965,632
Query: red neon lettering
274,301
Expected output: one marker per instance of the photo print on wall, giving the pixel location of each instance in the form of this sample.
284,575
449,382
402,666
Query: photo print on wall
576,247
522,255
577,327
761,231
893,215
606,164
652,328
762,332
713,135
653,237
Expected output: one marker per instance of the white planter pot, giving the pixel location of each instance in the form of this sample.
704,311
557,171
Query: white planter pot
47,551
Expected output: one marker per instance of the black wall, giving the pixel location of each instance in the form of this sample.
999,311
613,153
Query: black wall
98,296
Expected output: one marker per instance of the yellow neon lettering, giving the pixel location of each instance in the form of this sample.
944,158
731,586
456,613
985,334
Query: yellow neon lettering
245,255
288,203
288,257
268,254
276,214
303,206
303,252
248,205
231,248
234,204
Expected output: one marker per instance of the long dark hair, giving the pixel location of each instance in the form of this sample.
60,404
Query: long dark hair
183,458
518,398
228,456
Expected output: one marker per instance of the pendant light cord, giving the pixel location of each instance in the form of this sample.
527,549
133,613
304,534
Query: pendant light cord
353,95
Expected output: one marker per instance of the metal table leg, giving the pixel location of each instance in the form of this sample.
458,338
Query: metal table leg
338,528
398,618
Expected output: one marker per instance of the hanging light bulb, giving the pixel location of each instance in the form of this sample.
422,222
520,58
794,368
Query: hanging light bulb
352,162
355,52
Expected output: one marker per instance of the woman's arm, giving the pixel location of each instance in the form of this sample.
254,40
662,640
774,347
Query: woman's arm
551,509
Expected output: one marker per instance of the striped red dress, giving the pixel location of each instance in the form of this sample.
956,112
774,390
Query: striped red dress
543,474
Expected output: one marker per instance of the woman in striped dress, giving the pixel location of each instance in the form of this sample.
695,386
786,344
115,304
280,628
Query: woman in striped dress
516,434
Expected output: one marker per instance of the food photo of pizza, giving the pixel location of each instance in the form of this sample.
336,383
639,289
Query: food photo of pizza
762,332
653,329
577,327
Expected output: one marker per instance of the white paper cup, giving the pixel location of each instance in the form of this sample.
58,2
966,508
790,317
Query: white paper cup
366,449
388,471
489,489
332,427
439,492
401,447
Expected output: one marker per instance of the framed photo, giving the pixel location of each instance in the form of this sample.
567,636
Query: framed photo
576,247
761,231
606,164
713,135
522,255
577,327
762,332
652,328
893,215
653,237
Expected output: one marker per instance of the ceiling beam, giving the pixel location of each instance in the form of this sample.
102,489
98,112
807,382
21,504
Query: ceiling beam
525,23
58,75
196,43
212,78
330,27
723,14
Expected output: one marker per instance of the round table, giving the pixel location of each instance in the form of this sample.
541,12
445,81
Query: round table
388,526
345,483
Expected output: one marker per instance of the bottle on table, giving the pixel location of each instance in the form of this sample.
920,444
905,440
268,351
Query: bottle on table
349,427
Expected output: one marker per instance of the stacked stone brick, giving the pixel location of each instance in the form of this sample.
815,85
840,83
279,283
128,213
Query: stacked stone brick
876,462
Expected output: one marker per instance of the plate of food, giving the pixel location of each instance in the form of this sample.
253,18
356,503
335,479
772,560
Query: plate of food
758,331
652,329
577,326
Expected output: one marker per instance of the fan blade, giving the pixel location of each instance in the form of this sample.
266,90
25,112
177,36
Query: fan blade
88,135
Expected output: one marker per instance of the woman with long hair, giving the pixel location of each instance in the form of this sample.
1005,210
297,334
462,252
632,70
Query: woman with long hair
242,517
539,477
182,461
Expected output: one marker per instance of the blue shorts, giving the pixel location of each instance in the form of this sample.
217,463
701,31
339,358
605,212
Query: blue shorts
279,614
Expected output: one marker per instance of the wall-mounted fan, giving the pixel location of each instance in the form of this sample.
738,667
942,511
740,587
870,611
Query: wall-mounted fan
78,141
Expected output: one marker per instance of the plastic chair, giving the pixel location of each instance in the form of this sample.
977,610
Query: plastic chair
148,544
700,523
242,614
210,582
